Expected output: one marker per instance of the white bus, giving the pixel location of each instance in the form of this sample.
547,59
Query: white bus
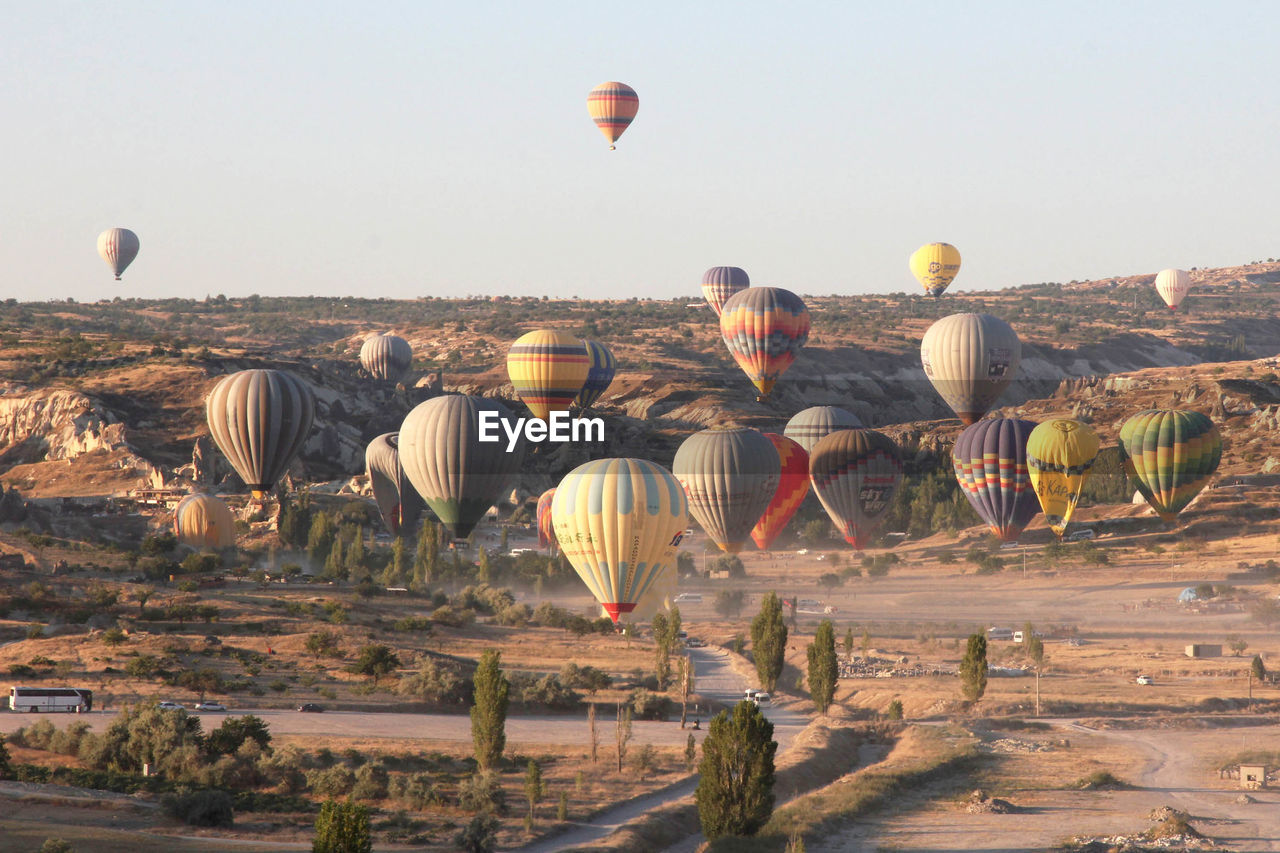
50,699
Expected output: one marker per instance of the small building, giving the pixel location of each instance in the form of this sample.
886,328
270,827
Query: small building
1204,650
1253,776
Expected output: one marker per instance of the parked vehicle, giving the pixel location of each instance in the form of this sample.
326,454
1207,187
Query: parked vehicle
50,699
689,598
1077,535
170,706
1146,679
311,708
210,706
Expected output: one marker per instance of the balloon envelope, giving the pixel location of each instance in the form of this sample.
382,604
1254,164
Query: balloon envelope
546,531
990,460
601,367
793,485
398,502
719,283
935,265
729,476
619,522
1173,286
1171,455
204,521
856,474
386,357
764,329
260,419
118,247
970,359
548,369
1060,455
613,106
458,475
815,423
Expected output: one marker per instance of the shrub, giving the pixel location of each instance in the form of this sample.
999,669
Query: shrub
332,782
201,808
418,791
56,845
113,636
480,792
371,782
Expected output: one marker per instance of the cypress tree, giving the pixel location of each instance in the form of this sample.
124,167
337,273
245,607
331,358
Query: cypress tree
823,668
973,668
735,788
342,828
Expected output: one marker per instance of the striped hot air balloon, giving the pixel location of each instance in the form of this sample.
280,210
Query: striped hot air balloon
398,502
730,476
1171,454
204,521
546,531
970,359
793,485
855,474
458,475
935,265
548,370
815,423
1060,455
719,283
1173,286
990,460
764,329
386,357
619,523
600,373
118,247
612,106
260,419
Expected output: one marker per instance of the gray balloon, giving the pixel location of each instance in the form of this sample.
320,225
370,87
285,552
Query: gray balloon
260,419
400,504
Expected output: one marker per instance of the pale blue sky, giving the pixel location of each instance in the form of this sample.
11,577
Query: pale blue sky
411,149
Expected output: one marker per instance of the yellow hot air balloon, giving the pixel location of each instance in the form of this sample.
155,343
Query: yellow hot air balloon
548,369
613,106
1060,454
935,265
203,521
619,523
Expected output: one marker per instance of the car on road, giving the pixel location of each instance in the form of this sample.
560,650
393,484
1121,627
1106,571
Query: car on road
1146,679
803,551
1078,535
694,643
311,708
210,706
689,598
170,706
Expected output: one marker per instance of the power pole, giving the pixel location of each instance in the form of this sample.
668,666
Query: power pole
1037,691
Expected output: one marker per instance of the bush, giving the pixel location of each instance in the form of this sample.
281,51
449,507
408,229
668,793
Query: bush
201,808
549,692
56,845
480,792
371,782
453,617
437,682
895,710
649,706
342,828
333,782
418,791
113,636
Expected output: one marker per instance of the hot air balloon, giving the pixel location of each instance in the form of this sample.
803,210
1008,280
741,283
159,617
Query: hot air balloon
260,419
612,106
398,502
856,473
548,370
935,265
118,247
729,475
458,475
619,522
1170,454
1173,286
793,485
719,283
764,329
1060,454
386,357
990,459
600,372
970,359
204,521
810,426
546,531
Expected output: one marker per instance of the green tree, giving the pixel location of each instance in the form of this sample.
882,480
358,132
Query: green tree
973,668
235,732
489,711
848,642
200,681
1237,645
895,710
320,538
824,670
735,788
769,641
479,836
323,643
342,828
533,788
729,602
830,581
1035,649
375,660
6,766
1258,668
396,573
662,651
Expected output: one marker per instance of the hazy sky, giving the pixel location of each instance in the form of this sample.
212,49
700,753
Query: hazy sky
409,149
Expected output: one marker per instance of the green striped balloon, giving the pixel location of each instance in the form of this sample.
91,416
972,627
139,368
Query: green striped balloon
1170,454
